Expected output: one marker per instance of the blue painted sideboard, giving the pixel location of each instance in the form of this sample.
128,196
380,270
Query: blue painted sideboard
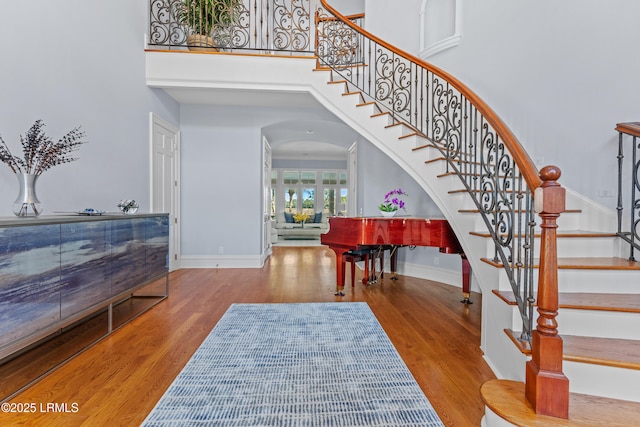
57,270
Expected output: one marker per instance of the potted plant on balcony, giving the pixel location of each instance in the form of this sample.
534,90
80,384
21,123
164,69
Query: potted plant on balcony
207,20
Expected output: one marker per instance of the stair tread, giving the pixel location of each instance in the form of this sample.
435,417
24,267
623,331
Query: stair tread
602,351
561,234
507,399
588,301
586,263
609,263
477,211
614,352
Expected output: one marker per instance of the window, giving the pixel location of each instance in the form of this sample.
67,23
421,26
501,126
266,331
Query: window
308,201
310,191
290,200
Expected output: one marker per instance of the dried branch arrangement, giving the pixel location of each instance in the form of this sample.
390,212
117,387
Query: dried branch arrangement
40,153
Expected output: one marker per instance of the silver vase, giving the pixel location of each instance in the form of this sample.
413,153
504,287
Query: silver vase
27,203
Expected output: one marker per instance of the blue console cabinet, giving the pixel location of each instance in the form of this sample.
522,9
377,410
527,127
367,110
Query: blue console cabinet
57,270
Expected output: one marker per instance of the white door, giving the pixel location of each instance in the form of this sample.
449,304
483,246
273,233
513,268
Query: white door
353,178
266,196
165,188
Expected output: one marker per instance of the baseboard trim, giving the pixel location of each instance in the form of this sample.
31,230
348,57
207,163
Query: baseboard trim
236,261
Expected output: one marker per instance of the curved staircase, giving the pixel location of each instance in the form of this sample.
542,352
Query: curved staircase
598,293
599,296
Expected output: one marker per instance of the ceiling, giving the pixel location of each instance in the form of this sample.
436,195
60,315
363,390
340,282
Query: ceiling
317,139
243,97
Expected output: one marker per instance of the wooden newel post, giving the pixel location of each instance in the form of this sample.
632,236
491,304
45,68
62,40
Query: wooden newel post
547,388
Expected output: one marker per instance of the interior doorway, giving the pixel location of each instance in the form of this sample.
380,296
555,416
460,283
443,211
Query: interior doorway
165,184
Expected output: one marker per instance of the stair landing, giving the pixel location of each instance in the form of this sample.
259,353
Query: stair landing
506,399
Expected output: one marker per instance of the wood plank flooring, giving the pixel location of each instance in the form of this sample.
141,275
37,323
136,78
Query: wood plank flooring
119,380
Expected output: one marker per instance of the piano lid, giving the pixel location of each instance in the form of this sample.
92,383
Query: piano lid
351,232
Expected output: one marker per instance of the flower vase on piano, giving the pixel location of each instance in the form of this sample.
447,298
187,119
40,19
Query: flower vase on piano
392,203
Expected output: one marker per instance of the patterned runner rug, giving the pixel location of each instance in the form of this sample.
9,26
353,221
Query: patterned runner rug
316,365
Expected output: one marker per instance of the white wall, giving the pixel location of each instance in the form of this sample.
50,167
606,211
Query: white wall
65,62
378,174
347,7
221,171
560,74
220,191
396,22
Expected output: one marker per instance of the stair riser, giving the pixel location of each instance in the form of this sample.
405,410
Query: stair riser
371,113
616,383
572,247
599,323
587,280
594,323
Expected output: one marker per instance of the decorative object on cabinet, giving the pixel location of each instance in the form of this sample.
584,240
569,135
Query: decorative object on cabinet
39,153
128,207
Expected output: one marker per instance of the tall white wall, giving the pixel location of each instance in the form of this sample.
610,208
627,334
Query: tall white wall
221,191
347,7
560,74
396,22
67,63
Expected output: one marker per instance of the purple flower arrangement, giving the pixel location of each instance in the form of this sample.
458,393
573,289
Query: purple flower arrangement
392,202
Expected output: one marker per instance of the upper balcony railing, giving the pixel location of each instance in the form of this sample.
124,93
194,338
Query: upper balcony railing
283,27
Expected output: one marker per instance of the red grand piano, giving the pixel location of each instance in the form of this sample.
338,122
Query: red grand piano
347,234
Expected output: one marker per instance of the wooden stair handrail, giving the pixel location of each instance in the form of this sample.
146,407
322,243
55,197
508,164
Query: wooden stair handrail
520,156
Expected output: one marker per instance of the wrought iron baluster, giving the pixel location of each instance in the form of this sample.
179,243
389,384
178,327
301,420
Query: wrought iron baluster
629,184
635,203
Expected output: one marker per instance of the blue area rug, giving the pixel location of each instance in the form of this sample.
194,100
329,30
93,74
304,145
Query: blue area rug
316,365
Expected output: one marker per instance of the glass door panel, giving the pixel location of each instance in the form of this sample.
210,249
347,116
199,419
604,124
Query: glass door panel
290,200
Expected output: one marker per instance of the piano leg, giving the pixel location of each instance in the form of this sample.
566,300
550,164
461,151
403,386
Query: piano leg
339,272
466,280
370,276
366,278
393,259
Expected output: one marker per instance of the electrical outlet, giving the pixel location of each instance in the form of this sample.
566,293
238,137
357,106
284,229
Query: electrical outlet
436,260
221,249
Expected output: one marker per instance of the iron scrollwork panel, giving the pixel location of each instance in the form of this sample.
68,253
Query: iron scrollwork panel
164,27
291,25
278,25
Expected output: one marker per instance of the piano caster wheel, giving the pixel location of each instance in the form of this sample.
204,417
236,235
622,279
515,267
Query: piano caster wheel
466,300
339,294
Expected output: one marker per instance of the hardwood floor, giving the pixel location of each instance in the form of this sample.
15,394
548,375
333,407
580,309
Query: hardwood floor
119,380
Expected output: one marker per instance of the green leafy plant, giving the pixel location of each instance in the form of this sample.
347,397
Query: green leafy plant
204,16
39,151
